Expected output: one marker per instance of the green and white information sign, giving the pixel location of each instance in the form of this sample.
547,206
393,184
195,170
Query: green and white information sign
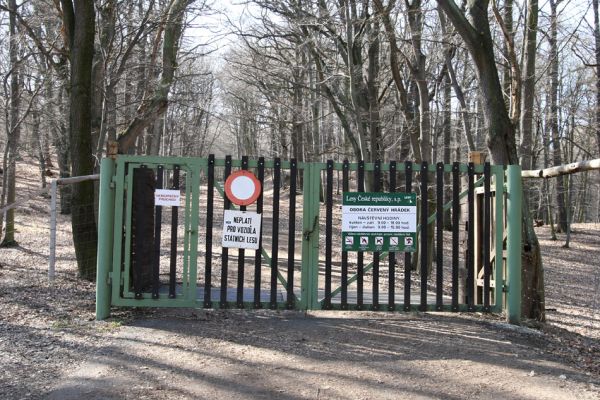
379,222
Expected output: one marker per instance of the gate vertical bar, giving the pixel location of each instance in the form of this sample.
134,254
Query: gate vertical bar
157,232
375,288
241,257
174,226
392,255
471,239
424,233
106,221
455,223
310,242
136,215
439,280
192,283
118,237
291,235
258,253
514,243
408,167
328,232
360,255
344,294
275,233
486,236
225,250
499,238
210,185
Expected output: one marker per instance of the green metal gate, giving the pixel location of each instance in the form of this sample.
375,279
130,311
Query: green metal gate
157,256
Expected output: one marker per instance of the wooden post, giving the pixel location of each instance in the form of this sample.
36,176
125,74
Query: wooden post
478,158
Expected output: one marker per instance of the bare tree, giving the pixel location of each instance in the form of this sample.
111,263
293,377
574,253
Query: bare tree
79,21
475,31
156,99
12,129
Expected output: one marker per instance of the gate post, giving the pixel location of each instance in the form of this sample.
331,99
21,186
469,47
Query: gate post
106,218
514,244
310,237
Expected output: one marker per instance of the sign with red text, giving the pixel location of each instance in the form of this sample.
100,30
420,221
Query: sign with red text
166,197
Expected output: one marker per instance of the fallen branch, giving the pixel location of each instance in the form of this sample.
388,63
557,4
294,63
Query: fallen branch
566,169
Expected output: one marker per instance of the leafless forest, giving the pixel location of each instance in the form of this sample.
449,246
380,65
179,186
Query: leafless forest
417,80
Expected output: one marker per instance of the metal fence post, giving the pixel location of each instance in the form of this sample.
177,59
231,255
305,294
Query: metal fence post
106,211
310,238
52,258
514,243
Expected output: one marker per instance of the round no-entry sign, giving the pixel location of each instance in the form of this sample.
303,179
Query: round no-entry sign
242,188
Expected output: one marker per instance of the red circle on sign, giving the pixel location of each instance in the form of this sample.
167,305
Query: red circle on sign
242,188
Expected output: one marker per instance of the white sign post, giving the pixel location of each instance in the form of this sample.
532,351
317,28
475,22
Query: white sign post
241,229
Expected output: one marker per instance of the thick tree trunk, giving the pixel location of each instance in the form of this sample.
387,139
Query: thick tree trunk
501,136
79,18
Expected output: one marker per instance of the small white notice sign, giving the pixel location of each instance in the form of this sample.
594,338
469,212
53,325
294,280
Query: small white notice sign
241,229
166,197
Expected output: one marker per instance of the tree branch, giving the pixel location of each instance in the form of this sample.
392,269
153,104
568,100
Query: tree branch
566,169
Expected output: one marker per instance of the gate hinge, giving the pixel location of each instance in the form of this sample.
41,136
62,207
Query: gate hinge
314,227
109,280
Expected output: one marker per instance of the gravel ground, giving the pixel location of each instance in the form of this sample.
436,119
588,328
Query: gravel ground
51,346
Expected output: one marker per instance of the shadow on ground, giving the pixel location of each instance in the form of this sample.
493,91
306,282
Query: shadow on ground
290,355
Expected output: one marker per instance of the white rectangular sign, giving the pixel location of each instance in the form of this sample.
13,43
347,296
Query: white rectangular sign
241,229
382,219
166,197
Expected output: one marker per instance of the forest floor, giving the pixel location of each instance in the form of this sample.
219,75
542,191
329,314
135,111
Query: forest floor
52,347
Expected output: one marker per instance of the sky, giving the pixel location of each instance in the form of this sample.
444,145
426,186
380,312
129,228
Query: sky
214,27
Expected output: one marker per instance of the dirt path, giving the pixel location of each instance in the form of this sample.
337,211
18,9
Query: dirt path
324,355
51,346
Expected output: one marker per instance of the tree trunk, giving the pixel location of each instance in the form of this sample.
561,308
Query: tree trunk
447,129
79,21
38,141
556,151
155,104
528,96
597,48
501,136
61,142
13,130
597,111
